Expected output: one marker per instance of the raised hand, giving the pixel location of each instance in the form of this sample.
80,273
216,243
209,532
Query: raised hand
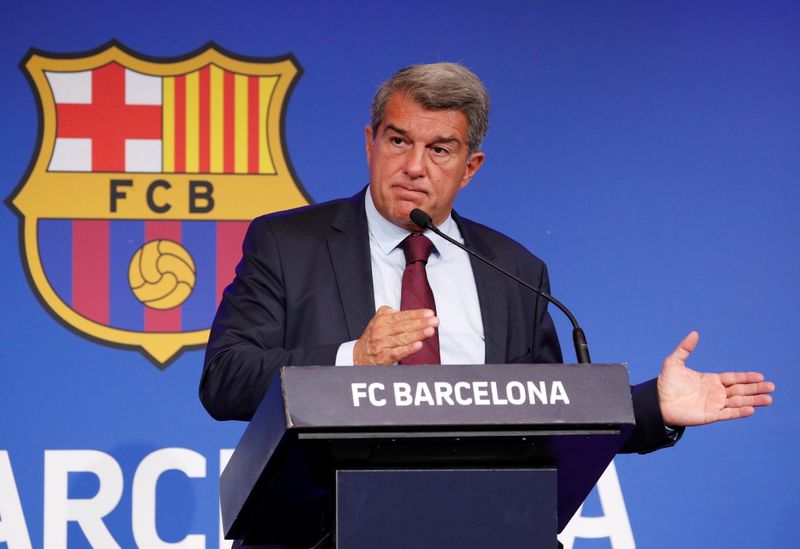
691,398
393,335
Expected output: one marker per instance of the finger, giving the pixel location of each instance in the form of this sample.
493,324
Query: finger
399,353
393,326
685,347
411,314
416,324
748,401
406,338
742,389
736,413
732,378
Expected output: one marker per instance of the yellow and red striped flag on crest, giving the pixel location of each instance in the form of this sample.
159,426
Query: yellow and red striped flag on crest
215,122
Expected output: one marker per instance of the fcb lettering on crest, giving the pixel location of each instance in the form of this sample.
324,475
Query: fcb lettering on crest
145,178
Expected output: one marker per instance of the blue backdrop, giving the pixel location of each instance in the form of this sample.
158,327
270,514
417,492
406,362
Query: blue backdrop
647,151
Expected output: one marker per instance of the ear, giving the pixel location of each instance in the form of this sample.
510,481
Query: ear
473,165
368,139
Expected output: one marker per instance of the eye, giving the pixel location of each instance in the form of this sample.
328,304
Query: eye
396,141
438,150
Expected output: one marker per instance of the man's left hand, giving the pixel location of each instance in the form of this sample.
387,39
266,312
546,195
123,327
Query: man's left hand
691,398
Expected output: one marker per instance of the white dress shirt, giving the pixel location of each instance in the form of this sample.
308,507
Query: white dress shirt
461,338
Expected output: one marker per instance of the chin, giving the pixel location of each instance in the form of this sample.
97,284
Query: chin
402,213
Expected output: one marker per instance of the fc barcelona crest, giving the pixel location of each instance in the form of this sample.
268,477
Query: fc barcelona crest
146,176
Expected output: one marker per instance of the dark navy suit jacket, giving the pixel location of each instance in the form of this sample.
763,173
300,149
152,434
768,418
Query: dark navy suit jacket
304,286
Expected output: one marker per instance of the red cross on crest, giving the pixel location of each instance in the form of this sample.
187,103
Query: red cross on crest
108,120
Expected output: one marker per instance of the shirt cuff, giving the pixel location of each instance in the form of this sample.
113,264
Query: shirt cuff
344,356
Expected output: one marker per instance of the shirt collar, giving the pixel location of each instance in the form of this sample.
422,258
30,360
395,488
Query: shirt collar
388,235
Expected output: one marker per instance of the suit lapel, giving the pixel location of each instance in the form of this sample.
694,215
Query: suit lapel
491,294
348,245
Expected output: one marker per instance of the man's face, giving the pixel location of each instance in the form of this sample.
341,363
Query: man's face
418,158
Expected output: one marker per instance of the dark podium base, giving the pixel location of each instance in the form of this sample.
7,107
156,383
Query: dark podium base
433,508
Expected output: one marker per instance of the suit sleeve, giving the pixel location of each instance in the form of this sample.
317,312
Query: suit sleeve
246,348
650,433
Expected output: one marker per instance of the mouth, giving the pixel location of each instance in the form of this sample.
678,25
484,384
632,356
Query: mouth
408,193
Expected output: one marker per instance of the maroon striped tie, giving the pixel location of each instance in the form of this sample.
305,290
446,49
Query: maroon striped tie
417,294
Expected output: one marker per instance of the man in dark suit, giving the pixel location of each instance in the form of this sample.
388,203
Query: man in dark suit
310,280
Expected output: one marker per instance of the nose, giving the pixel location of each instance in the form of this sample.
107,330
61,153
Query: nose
415,161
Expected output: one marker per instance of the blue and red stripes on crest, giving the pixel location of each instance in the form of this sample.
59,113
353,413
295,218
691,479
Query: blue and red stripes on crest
87,261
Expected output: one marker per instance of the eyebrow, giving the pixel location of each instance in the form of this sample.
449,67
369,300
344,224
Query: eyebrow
436,139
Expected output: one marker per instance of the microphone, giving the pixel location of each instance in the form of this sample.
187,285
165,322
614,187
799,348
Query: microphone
424,221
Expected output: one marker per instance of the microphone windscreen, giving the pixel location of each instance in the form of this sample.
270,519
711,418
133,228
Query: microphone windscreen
420,218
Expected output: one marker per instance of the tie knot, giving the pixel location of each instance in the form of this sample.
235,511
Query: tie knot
417,247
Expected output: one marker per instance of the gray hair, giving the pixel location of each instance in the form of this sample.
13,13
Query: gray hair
439,86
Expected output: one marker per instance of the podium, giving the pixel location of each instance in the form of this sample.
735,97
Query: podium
424,456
